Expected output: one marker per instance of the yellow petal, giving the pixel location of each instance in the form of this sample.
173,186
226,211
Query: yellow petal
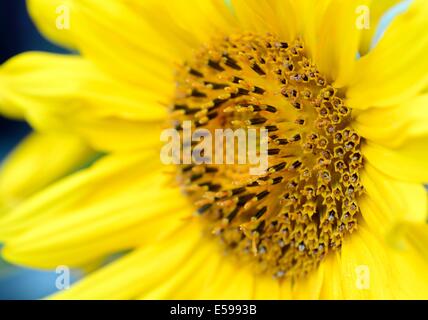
377,9
277,17
33,76
139,271
406,163
389,201
251,14
192,276
38,161
79,219
412,278
266,288
288,21
54,18
77,243
197,285
366,269
309,287
119,175
145,62
409,255
231,281
202,276
92,232
339,39
393,126
377,268
108,114
286,290
171,32
117,134
396,69
332,284
202,19
414,234
310,20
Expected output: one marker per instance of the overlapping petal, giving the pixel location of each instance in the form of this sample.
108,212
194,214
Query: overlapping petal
38,161
60,93
396,69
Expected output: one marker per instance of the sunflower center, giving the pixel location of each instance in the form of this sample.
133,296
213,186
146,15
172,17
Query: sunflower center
286,220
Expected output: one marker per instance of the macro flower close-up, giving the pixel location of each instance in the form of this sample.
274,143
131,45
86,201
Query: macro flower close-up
137,172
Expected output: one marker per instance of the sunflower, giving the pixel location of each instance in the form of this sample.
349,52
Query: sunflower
339,214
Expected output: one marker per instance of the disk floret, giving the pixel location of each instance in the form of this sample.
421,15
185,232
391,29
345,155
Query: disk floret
286,220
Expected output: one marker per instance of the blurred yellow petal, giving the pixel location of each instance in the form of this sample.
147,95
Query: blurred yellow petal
147,63
170,33
366,268
310,16
227,284
89,232
266,16
119,135
241,288
309,287
39,78
287,16
413,234
377,9
339,39
266,288
38,161
207,275
80,239
386,268
197,285
396,69
206,19
188,281
389,201
409,254
394,126
119,176
254,14
332,284
139,271
68,94
286,290
406,163
92,21
54,18
412,276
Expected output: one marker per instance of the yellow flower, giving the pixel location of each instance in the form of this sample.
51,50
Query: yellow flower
341,212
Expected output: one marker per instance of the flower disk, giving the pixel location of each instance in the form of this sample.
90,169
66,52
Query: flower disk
286,220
